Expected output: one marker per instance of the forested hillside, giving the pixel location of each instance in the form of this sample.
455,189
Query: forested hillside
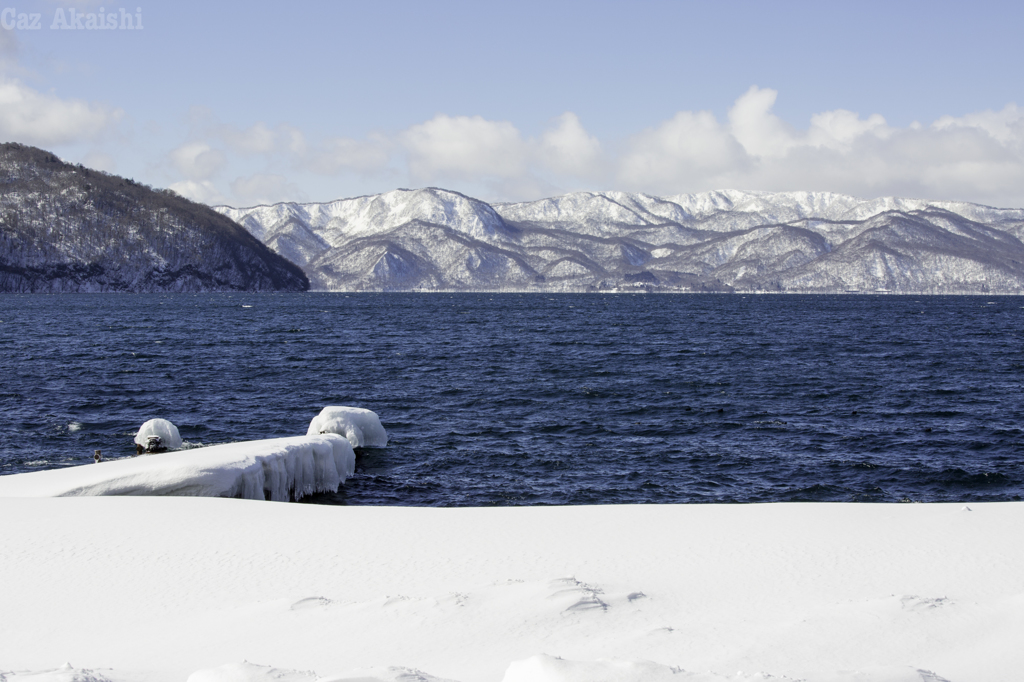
68,228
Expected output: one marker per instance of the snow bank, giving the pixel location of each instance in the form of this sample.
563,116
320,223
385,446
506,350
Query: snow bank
545,668
249,672
155,589
167,432
65,673
278,469
362,427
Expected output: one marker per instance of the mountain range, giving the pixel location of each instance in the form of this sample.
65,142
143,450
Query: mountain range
439,240
64,227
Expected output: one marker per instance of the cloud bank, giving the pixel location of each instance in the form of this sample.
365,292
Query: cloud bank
45,120
978,157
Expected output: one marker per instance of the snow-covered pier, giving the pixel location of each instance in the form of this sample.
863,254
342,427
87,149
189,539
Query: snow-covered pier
278,469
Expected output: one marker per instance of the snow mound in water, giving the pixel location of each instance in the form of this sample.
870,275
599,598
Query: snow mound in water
278,469
168,433
362,427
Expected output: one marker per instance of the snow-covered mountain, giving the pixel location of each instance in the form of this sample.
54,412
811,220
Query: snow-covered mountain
435,239
68,228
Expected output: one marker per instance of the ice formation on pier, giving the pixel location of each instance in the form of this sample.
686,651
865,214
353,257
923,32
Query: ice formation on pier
278,469
362,427
165,430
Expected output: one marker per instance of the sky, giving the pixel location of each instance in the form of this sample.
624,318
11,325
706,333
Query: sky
244,103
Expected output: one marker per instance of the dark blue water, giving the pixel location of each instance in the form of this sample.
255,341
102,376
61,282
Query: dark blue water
544,399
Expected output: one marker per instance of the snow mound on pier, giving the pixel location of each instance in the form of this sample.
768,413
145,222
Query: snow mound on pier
361,427
279,469
168,433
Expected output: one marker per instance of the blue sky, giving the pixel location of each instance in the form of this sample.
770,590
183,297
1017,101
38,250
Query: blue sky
246,103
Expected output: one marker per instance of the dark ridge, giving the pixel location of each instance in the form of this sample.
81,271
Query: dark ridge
68,228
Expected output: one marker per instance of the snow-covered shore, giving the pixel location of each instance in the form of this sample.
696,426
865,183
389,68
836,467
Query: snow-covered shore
161,588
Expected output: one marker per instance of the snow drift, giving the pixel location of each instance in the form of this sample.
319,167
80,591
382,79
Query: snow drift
158,589
279,469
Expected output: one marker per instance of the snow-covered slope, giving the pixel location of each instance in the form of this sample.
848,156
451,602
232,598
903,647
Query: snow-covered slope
432,239
68,228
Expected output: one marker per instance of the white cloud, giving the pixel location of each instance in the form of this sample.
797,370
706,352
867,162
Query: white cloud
203,191
265,188
494,160
977,157
197,160
257,139
339,154
1006,126
754,126
286,145
294,141
32,117
489,158
691,147
567,149
464,147
839,128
